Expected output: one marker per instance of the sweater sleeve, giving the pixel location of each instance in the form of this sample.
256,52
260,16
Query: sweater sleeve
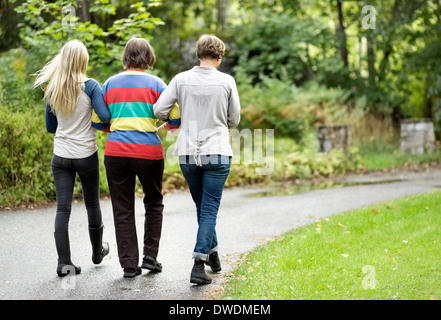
101,114
166,101
51,120
233,117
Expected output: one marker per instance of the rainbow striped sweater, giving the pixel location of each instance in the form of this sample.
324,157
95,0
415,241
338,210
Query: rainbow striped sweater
130,96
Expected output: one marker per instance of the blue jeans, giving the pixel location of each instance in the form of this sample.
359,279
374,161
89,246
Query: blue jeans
206,183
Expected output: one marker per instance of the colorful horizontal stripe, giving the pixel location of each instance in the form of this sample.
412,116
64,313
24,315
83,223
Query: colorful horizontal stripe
134,137
132,79
138,124
130,97
133,150
131,94
131,109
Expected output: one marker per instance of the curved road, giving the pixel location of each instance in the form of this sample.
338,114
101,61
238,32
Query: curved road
28,256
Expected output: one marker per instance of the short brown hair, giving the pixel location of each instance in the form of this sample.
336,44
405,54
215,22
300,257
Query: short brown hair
138,54
209,46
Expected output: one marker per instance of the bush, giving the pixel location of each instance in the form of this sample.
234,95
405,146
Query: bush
25,155
291,111
15,82
293,161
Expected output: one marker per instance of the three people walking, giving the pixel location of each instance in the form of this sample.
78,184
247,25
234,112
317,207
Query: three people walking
128,107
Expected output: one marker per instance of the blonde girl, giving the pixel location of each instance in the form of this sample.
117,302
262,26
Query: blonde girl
71,99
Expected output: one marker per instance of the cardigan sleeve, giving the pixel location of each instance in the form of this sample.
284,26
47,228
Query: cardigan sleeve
166,101
100,114
51,120
233,117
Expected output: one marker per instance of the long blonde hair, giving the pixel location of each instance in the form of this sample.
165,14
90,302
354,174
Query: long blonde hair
66,74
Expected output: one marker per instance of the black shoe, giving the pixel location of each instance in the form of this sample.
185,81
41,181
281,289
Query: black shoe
198,274
132,272
99,248
214,262
151,263
65,265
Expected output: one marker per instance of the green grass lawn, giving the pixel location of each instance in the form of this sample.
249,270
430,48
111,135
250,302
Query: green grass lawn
386,251
388,157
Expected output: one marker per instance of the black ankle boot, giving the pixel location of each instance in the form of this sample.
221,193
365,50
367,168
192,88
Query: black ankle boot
65,265
198,274
214,262
99,248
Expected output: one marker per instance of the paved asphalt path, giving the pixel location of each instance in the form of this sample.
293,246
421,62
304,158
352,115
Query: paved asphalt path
28,256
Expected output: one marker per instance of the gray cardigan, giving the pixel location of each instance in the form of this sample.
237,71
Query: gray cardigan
209,105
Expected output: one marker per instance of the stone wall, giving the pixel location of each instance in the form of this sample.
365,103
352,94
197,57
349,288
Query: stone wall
334,137
417,136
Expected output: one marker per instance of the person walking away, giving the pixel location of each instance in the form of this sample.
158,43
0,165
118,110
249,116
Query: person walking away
133,149
71,99
209,104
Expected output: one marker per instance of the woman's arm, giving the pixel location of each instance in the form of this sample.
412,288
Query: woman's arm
51,120
93,90
100,113
233,117
163,107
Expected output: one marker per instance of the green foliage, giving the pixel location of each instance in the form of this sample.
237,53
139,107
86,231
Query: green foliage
304,161
47,26
284,47
15,83
395,66
25,157
290,110
316,164
297,161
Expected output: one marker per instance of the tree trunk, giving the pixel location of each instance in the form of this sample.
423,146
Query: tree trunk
8,25
388,48
222,6
85,15
427,107
371,60
341,33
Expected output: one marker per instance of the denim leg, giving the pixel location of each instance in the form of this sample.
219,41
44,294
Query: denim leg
206,184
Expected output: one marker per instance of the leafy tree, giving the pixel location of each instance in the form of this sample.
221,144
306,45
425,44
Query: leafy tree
284,47
8,25
46,26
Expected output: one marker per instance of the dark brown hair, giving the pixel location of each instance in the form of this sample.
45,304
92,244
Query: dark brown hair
138,54
210,47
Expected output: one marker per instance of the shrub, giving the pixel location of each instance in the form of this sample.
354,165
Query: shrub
25,157
291,111
15,82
